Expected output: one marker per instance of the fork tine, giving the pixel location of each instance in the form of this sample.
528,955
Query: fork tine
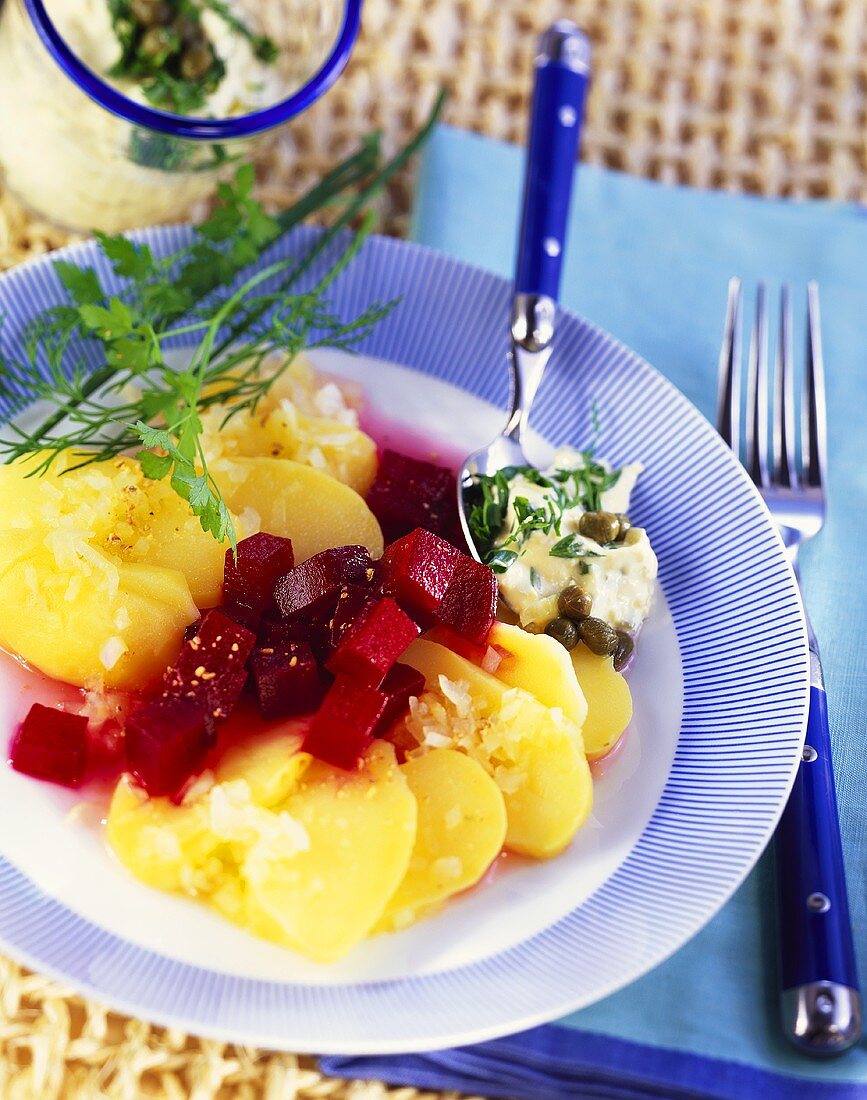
728,410
813,416
757,394
784,463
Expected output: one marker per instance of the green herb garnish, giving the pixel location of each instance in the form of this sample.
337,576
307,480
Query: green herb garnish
572,546
564,489
133,398
165,48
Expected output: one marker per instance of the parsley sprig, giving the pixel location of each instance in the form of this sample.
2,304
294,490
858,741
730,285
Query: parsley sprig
133,398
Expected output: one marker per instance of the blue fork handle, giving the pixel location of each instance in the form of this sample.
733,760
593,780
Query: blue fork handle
820,999
562,76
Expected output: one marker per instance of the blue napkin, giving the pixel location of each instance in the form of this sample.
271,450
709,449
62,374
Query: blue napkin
651,264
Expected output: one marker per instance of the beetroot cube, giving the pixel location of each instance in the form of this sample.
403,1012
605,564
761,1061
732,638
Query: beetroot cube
249,579
247,617
343,726
166,742
310,585
353,603
373,644
416,570
313,629
409,493
210,667
470,601
51,744
399,686
286,680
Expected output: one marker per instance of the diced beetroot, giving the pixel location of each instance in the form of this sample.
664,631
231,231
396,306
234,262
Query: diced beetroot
51,744
416,570
352,605
303,627
210,667
286,680
371,646
249,579
310,585
410,493
166,741
343,726
470,601
247,617
399,686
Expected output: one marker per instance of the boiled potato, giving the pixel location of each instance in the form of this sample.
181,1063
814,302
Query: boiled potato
540,665
161,843
361,830
115,508
609,702
193,847
304,417
174,538
534,754
80,615
298,502
461,829
271,762
340,450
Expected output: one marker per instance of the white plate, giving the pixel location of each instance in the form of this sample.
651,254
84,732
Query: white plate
682,810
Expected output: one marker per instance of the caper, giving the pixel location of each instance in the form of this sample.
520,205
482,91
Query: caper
158,42
625,526
624,650
196,60
574,602
599,526
564,630
151,13
598,636
189,29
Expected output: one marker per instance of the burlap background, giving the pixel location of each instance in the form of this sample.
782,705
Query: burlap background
747,95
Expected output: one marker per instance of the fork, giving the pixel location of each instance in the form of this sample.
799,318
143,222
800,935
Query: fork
820,999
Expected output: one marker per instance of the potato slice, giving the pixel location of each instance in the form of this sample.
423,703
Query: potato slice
361,829
540,665
461,829
298,502
174,539
534,754
117,510
82,616
609,701
162,844
271,763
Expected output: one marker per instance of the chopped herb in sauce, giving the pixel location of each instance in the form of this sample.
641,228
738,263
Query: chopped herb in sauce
572,546
581,487
165,47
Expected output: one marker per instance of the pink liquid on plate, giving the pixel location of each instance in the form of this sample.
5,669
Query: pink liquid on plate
397,436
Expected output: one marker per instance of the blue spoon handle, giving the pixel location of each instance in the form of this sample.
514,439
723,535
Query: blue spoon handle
562,76
820,999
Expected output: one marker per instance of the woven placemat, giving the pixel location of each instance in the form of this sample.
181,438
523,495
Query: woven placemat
748,95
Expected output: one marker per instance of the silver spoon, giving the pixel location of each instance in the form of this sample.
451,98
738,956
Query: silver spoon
562,72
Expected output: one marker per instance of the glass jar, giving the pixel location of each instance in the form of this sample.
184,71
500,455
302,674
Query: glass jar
89,154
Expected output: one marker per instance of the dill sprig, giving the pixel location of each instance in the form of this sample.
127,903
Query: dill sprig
133,397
